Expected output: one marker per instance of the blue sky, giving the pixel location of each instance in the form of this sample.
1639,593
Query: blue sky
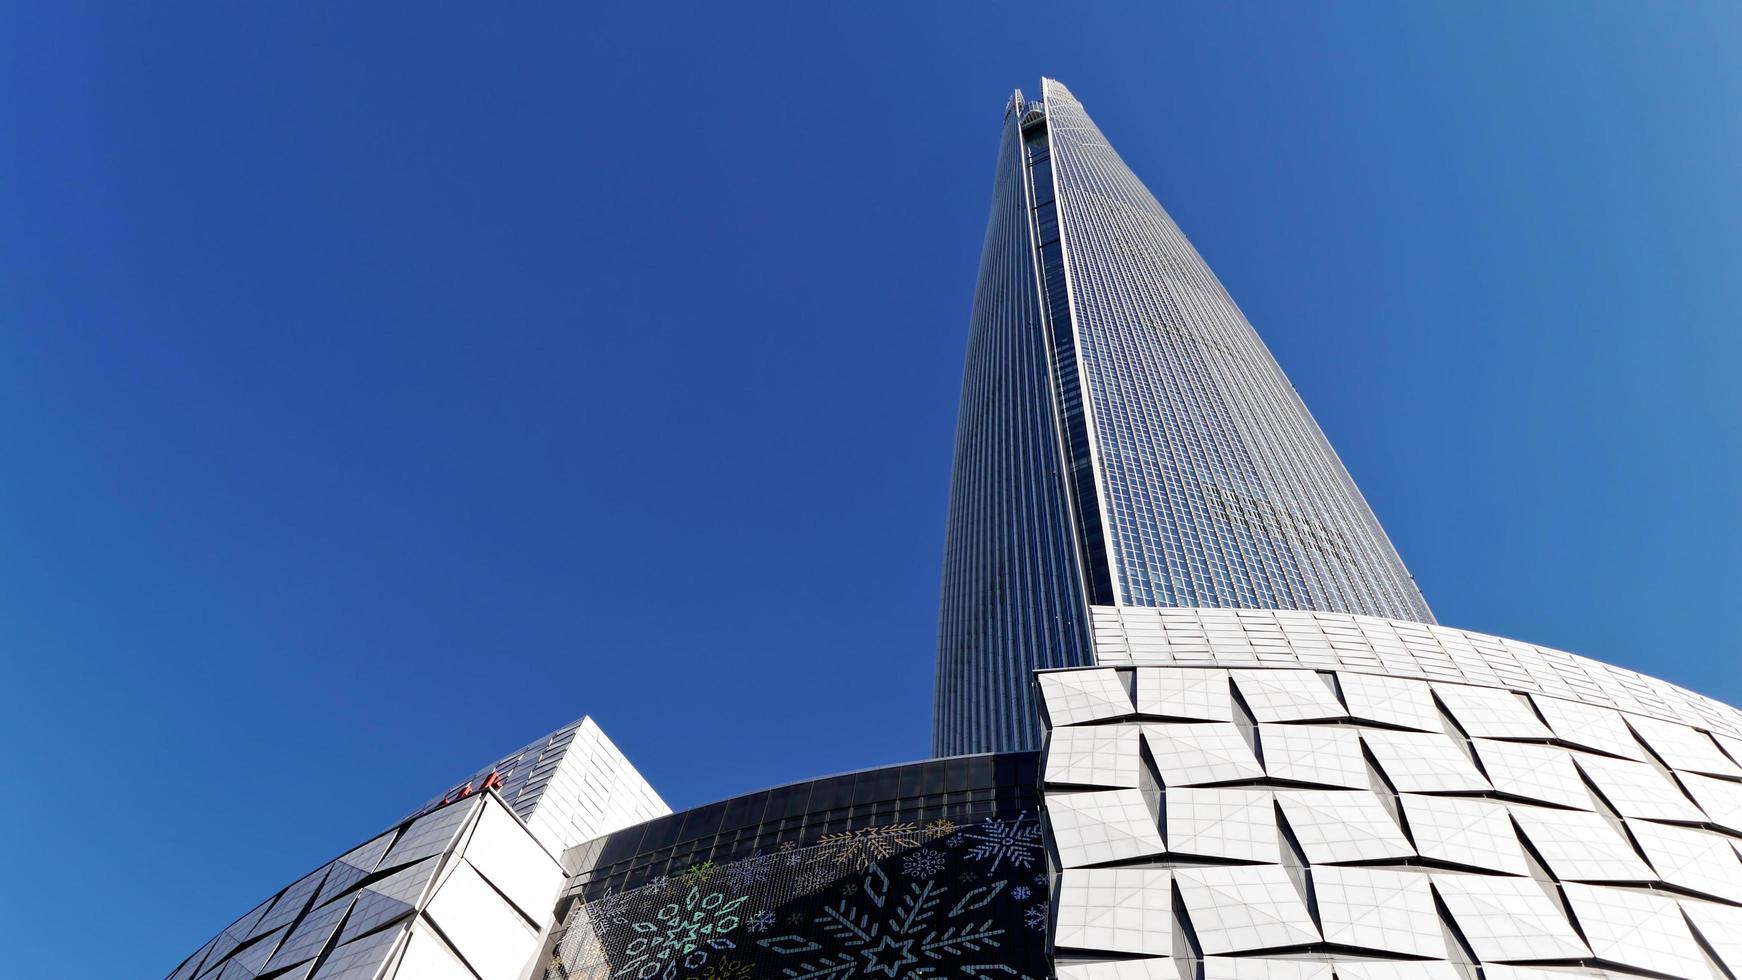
381,388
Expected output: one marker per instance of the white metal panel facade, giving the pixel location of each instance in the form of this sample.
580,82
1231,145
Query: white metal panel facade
1384,799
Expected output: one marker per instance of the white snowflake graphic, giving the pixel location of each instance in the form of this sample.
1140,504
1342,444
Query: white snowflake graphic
741,875
900,936
1016,841
1035,916
923,863
814,878
917,911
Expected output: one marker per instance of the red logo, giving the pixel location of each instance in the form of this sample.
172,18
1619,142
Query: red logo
493,781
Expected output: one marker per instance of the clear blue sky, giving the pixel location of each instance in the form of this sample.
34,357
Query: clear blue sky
380,389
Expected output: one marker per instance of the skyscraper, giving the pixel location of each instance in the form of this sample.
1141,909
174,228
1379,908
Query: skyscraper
1259,756
1125,439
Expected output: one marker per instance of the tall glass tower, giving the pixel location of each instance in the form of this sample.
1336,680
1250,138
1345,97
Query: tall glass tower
1125,439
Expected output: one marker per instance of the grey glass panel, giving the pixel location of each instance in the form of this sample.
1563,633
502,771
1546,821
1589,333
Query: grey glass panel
1012,593
1124,438
1218,488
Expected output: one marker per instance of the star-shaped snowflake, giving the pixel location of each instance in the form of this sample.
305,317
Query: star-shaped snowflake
1016,841
889,956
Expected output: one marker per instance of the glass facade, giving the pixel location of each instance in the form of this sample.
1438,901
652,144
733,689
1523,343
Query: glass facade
1125,439
960,789
1013,590
932,869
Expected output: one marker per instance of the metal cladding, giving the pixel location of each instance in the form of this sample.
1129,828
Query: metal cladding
569,786
1318,795
460,889
1125,438
461,892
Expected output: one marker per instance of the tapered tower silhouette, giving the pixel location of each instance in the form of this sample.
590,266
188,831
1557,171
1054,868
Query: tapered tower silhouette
1125,439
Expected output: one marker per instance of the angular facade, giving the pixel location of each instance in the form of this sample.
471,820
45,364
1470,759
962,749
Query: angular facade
1257,756
462,892
1125,439
1315,795
569,786
416,903
1225,794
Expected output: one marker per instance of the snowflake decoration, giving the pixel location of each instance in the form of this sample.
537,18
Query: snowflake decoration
1035,916
681,934
940,827
806,913
741,875
1016,841
727,970
923,863
895,933
858,848
814,878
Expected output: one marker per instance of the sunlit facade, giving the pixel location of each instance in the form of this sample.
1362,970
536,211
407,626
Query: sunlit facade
1125,438
1258,794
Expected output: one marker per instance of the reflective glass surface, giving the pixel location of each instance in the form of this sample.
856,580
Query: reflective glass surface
1125,438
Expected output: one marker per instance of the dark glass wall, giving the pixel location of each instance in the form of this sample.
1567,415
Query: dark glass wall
1013,598
933,869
